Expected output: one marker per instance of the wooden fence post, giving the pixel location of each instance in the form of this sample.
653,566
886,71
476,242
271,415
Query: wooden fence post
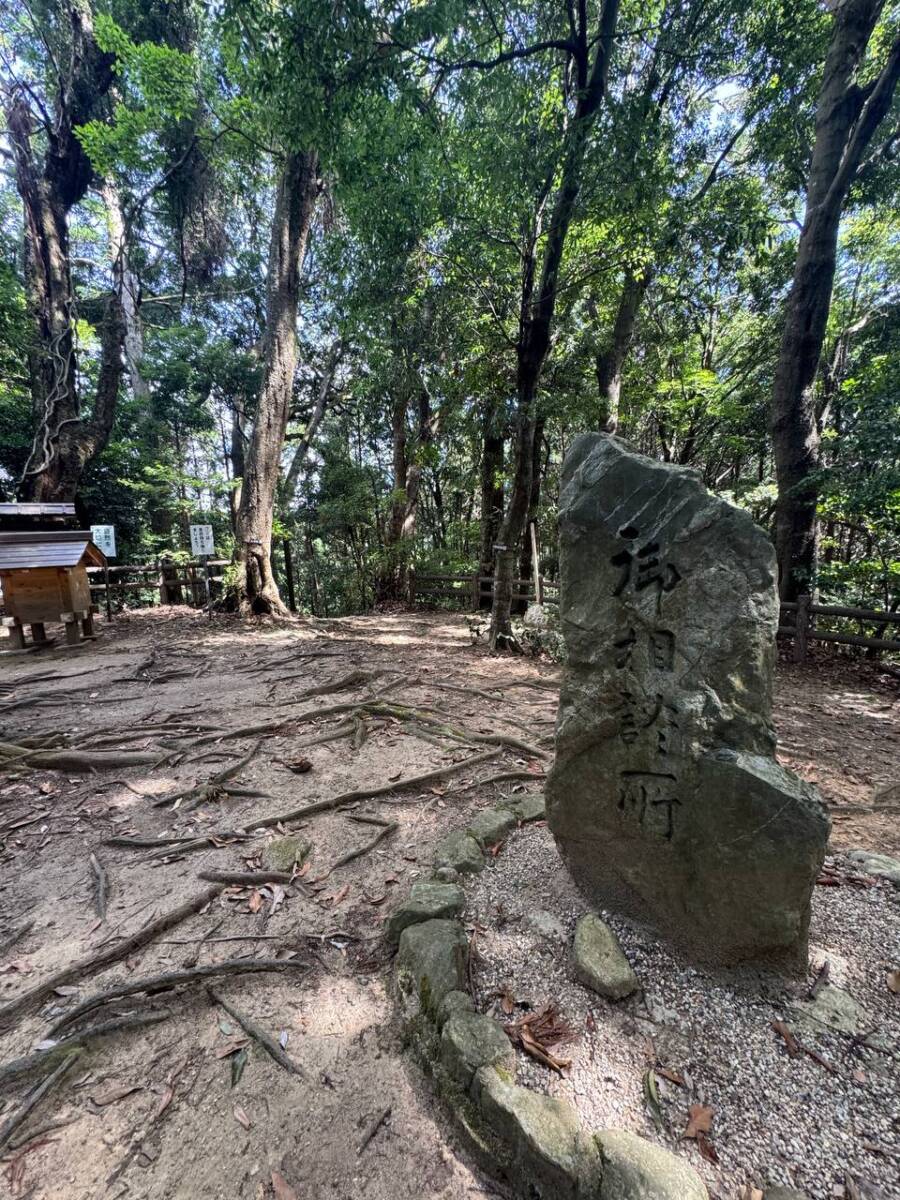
163,586
476,590
801,627
411,585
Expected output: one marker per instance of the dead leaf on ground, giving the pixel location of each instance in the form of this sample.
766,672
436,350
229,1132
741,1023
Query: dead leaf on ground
255,902
231,1046
241,1117
507,1001
298,765
706,1148
164,1101
538,1032
893,981
700,1117
495,849
114,1092
672,1076
281,1187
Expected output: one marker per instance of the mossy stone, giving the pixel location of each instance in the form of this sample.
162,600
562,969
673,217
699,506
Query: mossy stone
460,851
427,901
282,853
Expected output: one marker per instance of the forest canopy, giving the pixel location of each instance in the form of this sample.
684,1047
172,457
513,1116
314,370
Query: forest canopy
351,275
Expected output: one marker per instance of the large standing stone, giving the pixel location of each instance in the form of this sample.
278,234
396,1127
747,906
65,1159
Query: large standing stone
665,797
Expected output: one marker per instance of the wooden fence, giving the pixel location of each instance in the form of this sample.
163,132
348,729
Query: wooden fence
471,590
804,628
161,582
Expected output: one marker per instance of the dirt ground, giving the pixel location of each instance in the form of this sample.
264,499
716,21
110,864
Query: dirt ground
157,1111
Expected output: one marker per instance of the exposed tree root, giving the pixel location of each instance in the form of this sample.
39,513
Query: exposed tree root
351,855
95,963
10,1126
248,878
214,786
32,1062
258,1034
101,887
152,985
14,935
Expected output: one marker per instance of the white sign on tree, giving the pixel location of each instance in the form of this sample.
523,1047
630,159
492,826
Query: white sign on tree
104,538
202,540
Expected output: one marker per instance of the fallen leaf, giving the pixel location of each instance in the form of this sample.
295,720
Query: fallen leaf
700,1118
231,1047
278,897
341,895
115,1091
495,849
706,1148
893,981
255,902
237,1065
164,1101
672,1076
304,870
651,1099
508,1002
283,1039
241,1117
281,1187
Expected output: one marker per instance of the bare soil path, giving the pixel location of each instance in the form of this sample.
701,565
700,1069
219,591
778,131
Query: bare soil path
176,1109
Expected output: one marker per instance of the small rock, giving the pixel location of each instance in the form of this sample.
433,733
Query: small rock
282,853
882,866
635,1169
446,875
470,1041
599,961
833,1008
426,902
453,1002
529,806
784,1193
491,826
550,1152
545,925
460,851
432,957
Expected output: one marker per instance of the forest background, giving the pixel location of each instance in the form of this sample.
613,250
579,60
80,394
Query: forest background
354,273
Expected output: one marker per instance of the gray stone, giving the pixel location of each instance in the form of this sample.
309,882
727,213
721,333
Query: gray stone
445,875
599,961
784,1193
460,851
832,1008
665,798
427,901
881,866
545,925
536,617
453,1002
282,853
527,806
491,826
634,1169
548,1149
431,961
470,1041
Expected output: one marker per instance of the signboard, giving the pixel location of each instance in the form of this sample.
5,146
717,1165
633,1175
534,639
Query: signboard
202,540
104,538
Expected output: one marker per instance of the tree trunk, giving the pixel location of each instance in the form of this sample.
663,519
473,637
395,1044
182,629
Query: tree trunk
392,582
294,207
612,357
492,450
537,311
847,116
534,503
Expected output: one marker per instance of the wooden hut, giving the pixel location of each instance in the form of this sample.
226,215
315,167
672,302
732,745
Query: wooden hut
43,576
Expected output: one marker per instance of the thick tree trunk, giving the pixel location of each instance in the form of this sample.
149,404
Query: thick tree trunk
294,207
294,473
534,504
611,358
392,582
492,451
538,308
846,119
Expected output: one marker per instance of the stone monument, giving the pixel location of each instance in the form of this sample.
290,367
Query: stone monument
665,797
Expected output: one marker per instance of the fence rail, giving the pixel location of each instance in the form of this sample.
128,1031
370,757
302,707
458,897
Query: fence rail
175,583
803,629
474,588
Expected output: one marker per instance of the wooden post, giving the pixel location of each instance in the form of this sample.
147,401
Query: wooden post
411,584
192,583
206,581
801,627
476,589
38,632
106,586
535,564
16,633
289,573
163,586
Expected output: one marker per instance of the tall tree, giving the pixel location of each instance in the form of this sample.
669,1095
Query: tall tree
854,98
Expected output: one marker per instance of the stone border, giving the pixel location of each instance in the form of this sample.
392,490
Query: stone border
534,1141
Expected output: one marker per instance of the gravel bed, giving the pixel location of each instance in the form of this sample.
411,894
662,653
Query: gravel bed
778,1120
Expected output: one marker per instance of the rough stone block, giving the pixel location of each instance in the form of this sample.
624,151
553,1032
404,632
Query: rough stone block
491,826
665,798
427,901
631,1168
549,1151
529,806
281,853
881,866
470,1041
599,961
453,1002
432,956
460,851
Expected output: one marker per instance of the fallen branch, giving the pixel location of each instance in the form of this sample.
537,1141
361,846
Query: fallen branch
101,887
152,985
247,878
372,1130
144,843
86,762
319,806
258,1034
213,787
30,1104
355,679
30,1062
351,855
105,958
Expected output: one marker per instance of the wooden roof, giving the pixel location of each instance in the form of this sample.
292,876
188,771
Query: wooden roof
66,548
27,509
